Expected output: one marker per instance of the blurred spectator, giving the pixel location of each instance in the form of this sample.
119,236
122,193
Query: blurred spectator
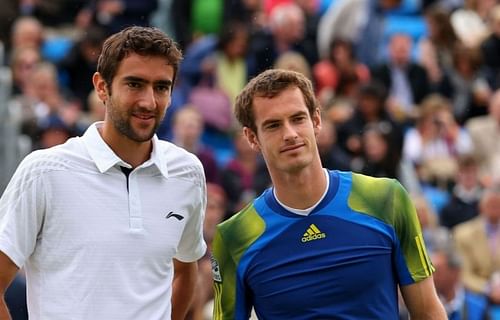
441,38
97,110
463,203
81,63
339,74
380,156
187,130
485,134
436,50
293,61
312,17
49,100
285,32
53,13
491,49
27,32
358,21
161,17
249,12
9,12
332,156
22,61
370,108
216,210
338,110
114,15
214,105
447,277
406,81
470,89
237,177
469,22
52,131
479,244
436,142
231,66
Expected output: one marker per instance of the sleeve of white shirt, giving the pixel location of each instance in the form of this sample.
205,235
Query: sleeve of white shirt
22,210
192,246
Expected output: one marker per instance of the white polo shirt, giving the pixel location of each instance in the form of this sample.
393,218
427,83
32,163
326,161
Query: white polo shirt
94,246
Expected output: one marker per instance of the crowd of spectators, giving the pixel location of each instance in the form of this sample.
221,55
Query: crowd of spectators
410,89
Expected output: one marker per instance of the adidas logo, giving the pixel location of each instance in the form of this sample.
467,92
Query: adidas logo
312,233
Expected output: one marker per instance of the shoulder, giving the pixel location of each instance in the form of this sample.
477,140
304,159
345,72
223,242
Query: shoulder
180,163
60,157
378,197
39,165
373,187
242,228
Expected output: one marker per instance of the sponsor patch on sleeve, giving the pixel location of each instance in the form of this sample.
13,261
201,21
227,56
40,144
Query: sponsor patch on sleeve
215,269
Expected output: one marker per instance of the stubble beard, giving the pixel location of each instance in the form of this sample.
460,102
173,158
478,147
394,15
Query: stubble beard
121,121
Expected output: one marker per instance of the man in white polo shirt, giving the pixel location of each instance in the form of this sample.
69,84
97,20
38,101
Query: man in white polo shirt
109,225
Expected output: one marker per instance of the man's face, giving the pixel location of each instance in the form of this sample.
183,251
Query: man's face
286,133
445,277
400,49
188,127
139,96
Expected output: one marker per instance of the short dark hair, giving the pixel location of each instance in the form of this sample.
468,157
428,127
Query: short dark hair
269,84
145,41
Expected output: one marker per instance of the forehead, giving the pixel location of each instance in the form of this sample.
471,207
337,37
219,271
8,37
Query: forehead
286,103
150,68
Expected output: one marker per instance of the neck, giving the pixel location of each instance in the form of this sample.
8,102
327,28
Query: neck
301,189
132,152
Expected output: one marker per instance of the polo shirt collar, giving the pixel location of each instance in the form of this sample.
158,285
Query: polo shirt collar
105,158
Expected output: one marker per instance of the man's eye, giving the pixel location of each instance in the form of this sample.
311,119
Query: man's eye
162,88
272,126
133,85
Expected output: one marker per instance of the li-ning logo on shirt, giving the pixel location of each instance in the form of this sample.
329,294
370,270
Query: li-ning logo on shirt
175,215
312,233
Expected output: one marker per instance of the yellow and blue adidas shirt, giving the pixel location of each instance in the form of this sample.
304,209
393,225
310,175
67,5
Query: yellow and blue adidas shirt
344,260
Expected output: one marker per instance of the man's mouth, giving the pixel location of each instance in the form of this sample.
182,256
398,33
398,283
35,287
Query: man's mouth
292,147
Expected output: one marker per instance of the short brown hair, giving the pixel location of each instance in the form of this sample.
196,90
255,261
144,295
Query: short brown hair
269,84
145,41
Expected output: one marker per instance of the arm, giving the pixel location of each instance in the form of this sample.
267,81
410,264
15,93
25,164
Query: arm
185,277
422,301
8,270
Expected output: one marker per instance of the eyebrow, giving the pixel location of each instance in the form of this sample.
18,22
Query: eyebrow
271,121
141,80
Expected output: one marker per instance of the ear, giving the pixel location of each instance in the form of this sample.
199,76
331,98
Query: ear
251,138
316,120
100,87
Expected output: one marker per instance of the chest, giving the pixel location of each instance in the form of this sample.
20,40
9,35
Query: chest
322,263
115,216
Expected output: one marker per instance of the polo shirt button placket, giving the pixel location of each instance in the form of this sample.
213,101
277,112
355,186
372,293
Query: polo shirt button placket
135,215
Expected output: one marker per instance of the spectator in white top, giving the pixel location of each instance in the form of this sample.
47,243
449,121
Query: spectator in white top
436,142
109,225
